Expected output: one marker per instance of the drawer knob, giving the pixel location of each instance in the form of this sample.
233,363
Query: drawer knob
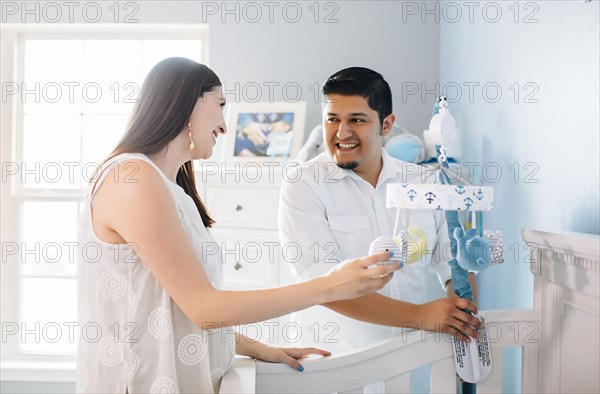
238,207
237,266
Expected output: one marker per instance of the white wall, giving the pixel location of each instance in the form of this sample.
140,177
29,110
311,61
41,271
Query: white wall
305,53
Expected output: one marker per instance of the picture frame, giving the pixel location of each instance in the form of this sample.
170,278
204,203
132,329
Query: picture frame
264,131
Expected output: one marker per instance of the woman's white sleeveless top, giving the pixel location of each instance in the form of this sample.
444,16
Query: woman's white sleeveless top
132,334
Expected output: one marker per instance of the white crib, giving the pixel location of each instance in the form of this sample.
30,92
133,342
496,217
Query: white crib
559,338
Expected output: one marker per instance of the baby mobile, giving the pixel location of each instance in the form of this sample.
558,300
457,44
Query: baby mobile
472,249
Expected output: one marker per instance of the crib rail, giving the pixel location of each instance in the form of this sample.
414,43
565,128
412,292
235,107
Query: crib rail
391,360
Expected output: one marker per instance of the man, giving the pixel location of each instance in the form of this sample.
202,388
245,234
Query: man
337,207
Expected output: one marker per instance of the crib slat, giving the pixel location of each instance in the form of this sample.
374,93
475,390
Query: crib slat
493,383
529,369
443,376
398,384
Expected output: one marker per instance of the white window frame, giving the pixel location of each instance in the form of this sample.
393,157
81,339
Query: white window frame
15,365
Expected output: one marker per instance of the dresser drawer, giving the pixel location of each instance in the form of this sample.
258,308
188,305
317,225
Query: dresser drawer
243,207
250,261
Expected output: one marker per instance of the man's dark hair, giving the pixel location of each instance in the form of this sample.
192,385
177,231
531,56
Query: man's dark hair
361,81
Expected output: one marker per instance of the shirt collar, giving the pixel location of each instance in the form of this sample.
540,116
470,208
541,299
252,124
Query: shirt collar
389,168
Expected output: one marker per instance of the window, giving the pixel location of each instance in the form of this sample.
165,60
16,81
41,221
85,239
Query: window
66,96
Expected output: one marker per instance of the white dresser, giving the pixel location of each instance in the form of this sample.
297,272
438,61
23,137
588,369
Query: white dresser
244,201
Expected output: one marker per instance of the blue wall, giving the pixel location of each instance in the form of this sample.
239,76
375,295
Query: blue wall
558,135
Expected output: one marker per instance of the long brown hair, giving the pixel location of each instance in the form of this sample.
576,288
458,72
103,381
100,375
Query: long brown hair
165,104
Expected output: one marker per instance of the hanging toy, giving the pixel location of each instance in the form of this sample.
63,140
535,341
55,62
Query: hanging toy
496,245
417,244
473,360
442,122
471,250
388,244
412,240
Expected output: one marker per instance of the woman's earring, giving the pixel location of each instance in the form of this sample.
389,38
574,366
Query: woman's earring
192,145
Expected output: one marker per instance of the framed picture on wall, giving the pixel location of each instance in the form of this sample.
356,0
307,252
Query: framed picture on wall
263,131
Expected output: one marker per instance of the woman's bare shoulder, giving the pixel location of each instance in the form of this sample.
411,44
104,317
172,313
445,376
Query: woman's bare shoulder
131,176
133,192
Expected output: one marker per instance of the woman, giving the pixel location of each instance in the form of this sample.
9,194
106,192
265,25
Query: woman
153,318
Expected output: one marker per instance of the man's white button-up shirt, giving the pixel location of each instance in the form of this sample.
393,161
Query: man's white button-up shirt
331,214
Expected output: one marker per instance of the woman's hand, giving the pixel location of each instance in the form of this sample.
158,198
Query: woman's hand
261,351
288,355
358,277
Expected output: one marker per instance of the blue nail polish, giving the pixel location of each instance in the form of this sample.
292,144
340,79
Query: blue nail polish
391,254
301,368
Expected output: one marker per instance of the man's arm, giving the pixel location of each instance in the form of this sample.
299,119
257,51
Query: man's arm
442,315
302,220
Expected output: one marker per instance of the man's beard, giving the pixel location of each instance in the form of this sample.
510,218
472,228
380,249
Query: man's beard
349,165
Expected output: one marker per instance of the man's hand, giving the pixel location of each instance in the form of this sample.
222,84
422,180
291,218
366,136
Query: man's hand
446,315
